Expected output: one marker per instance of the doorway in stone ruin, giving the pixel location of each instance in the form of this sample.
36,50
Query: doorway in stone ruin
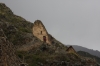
44,38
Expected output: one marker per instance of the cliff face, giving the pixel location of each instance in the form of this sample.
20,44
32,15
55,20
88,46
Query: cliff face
7,52
40,32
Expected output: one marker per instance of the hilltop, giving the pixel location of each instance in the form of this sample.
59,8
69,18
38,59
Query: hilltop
28,46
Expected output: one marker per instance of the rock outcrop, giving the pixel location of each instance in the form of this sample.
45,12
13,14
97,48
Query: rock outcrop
7,52
40,32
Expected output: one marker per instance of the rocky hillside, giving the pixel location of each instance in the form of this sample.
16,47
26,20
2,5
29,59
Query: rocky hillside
86,54
7,52
91,51
21,44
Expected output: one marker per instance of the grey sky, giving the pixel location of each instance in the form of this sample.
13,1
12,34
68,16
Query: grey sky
73,22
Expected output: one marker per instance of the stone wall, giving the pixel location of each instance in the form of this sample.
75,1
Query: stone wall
39,31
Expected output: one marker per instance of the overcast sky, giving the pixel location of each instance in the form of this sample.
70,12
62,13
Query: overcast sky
74,22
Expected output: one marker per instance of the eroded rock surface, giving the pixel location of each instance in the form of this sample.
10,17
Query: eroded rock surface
7,52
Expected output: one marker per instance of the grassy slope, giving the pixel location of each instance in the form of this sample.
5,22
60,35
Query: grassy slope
20,25
85,54
46,57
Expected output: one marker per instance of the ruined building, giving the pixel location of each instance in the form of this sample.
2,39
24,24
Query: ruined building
71,50
40,32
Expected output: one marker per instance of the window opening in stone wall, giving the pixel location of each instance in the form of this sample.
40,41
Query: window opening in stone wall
41,32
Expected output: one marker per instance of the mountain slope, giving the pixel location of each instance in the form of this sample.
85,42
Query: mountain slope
7,52
86,54
16,28
80,48
31,49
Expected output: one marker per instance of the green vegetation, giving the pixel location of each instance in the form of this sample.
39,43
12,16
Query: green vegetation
45,54
85,54
41,58
20,25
